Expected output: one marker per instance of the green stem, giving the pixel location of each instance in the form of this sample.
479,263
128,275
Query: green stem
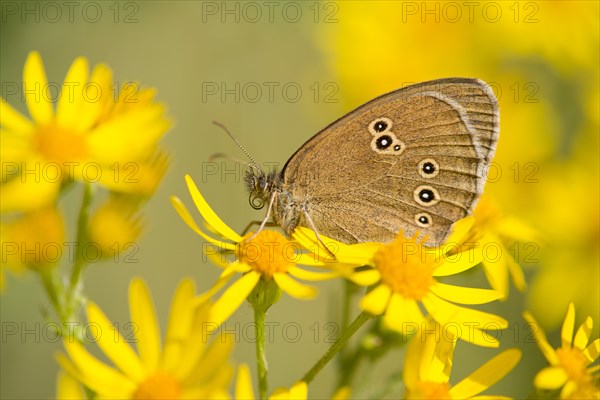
53,289
76,284
349,290
351,364
362,318
260,314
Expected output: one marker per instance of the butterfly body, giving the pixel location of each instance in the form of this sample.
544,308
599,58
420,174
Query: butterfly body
415,159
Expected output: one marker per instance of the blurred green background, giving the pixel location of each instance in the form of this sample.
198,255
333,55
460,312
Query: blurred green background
322,59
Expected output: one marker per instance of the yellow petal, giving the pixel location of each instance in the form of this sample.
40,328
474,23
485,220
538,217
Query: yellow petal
497,275
208,214
583,334
187,218
464,295
376,301
516,273
365,278
96,93
218,285
569,388
28,192
412,362
307,239
460,229
218,353
457,263
14,152
303,274
550,378
67,388
299,391
98,376
13,121
180,323
313,260
131,136
540,338
71,99
143,316
356,254
115,346
486,375
233,297
403,315
194,343
36,84
293,287
243,385
441,362
566,333
592,351
465,322
515,229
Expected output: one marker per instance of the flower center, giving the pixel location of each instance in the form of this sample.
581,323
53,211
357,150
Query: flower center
61,145
268,252
405,268
158,386
430,391
574,363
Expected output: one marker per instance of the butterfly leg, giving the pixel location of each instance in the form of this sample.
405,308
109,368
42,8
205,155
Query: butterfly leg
264,221
247,228
314,228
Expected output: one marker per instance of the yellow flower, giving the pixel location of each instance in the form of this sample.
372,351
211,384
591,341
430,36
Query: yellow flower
68,388
35,240
428,366
571,365
572,249
244,391
405,277
186,366
492,231
266,256
92,136
115,226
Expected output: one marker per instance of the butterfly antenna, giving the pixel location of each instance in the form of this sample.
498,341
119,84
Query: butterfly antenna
220,125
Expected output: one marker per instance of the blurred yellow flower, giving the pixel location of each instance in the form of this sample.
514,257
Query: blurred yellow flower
186,366
266,256
428,366
498,237
547,89
68,388
115,226
573,366
404,278
92,136
244,391
34,240
572,252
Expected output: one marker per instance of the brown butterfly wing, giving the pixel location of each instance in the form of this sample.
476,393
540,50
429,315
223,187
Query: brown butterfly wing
364,177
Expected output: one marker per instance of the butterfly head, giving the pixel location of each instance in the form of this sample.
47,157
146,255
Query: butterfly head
261,185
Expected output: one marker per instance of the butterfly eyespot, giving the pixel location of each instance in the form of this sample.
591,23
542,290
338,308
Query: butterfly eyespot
397,147
423,220
383,142
426,196
380,125
428,168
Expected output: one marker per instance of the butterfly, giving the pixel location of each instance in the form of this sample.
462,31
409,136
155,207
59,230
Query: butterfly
413,160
